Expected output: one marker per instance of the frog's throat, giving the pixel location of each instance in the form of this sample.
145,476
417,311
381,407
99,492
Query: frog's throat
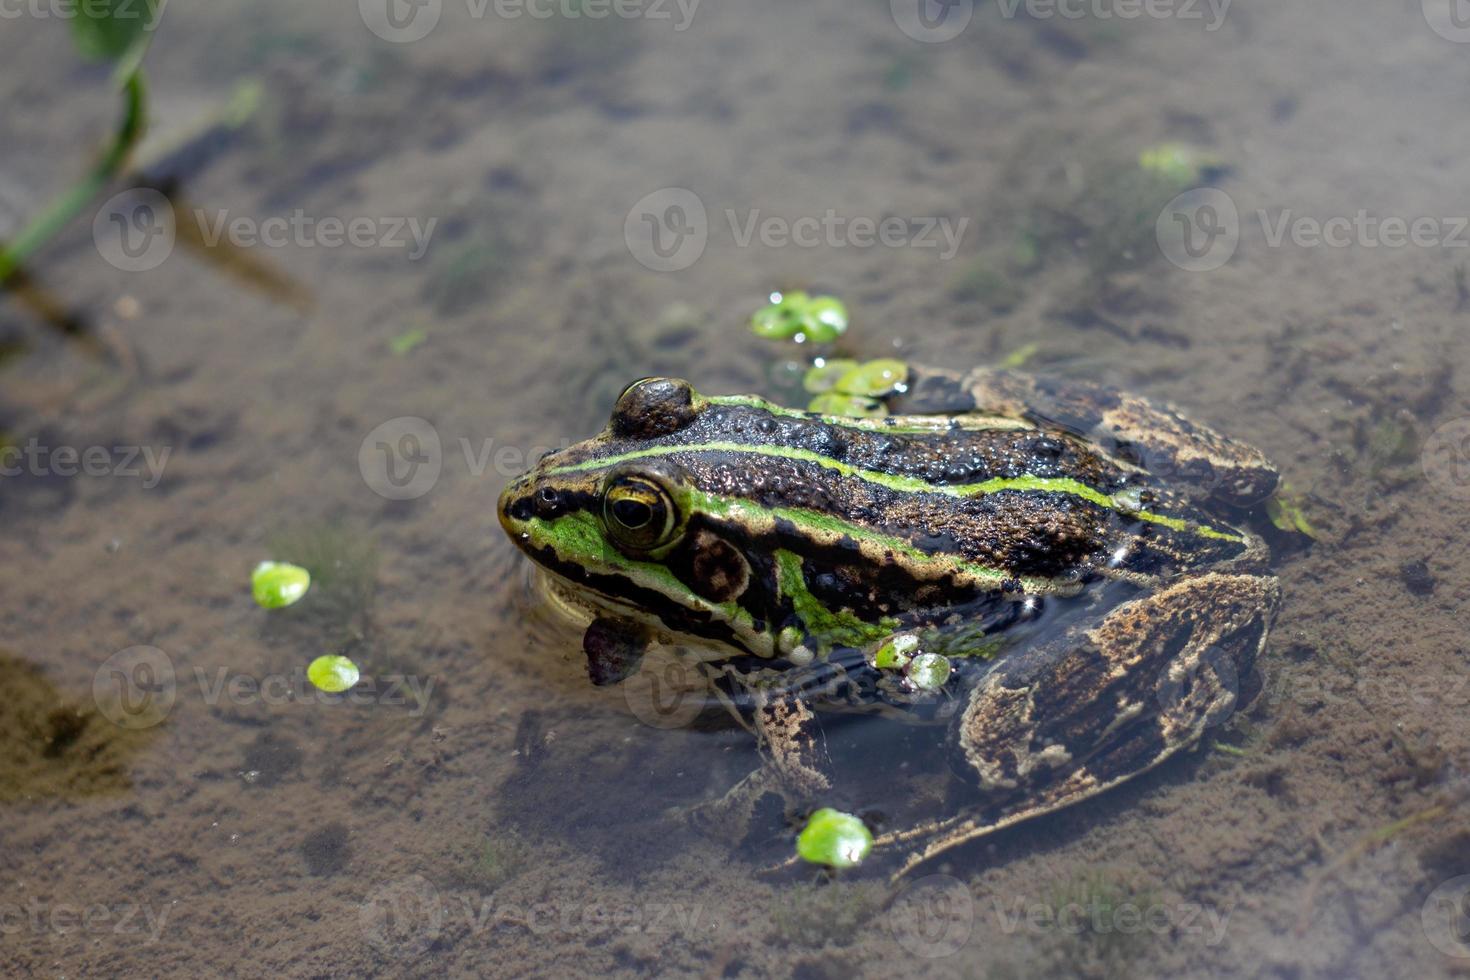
580,605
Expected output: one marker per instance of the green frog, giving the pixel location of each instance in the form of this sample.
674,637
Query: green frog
1057,574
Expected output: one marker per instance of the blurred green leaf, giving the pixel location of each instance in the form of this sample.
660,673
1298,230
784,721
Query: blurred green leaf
106,30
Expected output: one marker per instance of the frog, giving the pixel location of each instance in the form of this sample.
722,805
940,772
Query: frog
1058,578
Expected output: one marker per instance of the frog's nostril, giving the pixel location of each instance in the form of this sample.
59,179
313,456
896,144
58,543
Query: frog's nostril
547,502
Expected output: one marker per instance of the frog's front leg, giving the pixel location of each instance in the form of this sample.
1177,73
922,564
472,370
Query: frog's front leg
1069,720
795,765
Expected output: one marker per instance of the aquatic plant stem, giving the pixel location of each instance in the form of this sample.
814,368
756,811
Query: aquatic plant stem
71,203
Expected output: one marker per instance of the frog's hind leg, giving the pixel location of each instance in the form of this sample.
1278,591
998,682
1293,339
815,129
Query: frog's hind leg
1075,718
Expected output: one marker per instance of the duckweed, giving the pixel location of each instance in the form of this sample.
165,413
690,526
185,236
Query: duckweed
333,673
277,584
834,839
800,317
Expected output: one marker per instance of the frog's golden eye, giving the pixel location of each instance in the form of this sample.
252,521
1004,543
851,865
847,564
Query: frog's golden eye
639,513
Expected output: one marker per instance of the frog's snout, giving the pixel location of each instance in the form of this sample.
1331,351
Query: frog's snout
516,507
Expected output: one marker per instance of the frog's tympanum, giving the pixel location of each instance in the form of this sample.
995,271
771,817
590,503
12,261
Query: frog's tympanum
1059,574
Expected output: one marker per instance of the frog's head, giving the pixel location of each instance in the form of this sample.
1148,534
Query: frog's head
626,521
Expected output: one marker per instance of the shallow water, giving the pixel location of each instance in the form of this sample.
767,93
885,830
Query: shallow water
175,800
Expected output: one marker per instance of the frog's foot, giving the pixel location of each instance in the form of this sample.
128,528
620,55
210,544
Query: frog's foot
1153,436
795,769
1104,704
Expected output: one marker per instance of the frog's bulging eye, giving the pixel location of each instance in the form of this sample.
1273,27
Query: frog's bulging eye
639,513
653,407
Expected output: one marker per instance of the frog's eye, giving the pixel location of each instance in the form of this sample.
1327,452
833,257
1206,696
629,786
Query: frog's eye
639,513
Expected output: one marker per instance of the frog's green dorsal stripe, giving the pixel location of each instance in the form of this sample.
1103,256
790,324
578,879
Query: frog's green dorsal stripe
887,424
910,484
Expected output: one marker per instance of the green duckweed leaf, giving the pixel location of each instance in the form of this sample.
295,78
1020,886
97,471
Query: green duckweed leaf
333,673
834,839
276,584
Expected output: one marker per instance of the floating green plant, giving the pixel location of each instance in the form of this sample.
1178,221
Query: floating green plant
1180,162
276,584
407,341
848,388
118,31
834,839
333,673
799,317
